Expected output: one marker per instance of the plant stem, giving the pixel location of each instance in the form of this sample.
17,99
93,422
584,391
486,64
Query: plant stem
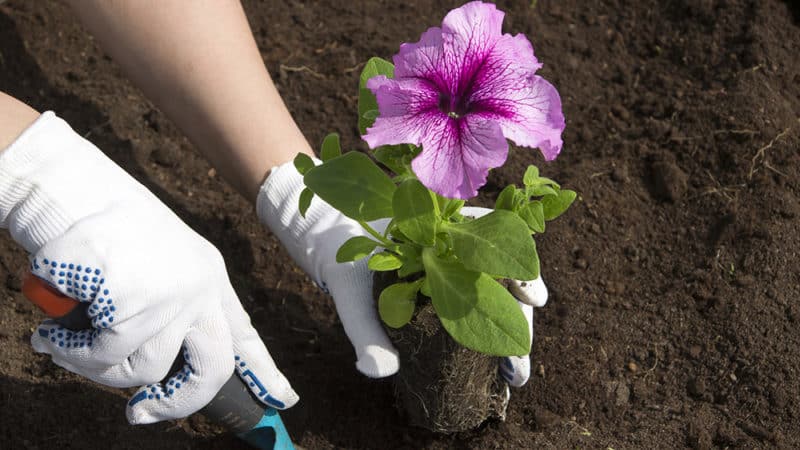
386,242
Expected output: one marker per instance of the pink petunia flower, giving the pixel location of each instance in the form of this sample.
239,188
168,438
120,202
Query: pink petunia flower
459,93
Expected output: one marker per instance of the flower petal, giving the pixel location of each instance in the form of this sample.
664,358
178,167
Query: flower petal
457,155
449,57
423,59
530,115
474,19
527,107
405,107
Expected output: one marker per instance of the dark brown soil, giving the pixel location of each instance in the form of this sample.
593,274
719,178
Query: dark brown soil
674,280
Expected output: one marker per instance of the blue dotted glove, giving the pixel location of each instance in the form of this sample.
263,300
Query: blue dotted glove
154,287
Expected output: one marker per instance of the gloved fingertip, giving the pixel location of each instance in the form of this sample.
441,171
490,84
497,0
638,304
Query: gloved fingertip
136,416
378,362
516,370
283,400
135,411
533,292
40,340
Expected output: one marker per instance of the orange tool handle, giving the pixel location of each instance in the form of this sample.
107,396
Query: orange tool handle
47,298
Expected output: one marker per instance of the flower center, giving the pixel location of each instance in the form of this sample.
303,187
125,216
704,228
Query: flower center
455,107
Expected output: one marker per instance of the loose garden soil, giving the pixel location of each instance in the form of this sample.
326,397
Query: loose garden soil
674,280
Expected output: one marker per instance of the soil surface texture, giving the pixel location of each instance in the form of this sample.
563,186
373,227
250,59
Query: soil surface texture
674,279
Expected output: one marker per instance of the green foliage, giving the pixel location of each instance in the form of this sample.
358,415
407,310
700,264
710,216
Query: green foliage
384,262
555,205
476,310
396,303
506,198
330,147
367,104
533,215
303,163
305,200
397,158
498,243
355,248
542,199
411,257
415,213
354,185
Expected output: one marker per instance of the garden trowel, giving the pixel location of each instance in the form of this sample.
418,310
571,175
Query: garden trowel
234,406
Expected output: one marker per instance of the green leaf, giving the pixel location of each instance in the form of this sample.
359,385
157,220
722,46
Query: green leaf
375,66
498,243
414,212
371,115
366,99
506,198
543,180
393,157
354,185
531,176
539,190
555,205
452,207
355,248
425,289
397,302
330,147
533,215
476,310
520,198
398,235
305,201
411,256
384,261
303,163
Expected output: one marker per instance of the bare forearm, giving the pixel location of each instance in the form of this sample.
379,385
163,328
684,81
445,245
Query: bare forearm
15,117
198,61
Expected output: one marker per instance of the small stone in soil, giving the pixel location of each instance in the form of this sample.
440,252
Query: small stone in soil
618,392
545,419
745,280
165,156
580,263
669,181
14,282
619,175
698,437
633,367
697,387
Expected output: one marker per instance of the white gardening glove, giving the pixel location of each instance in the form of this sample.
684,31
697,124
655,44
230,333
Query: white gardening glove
154,285
313,242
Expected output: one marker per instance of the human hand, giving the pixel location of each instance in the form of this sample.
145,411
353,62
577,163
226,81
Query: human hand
154,286
313,242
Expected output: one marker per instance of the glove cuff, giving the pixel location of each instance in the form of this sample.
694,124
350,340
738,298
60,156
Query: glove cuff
51,177
312,241
278,209
20,197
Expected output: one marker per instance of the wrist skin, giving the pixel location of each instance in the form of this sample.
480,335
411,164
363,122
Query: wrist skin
15,117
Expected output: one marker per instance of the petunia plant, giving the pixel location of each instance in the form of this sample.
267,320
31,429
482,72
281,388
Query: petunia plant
438,120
